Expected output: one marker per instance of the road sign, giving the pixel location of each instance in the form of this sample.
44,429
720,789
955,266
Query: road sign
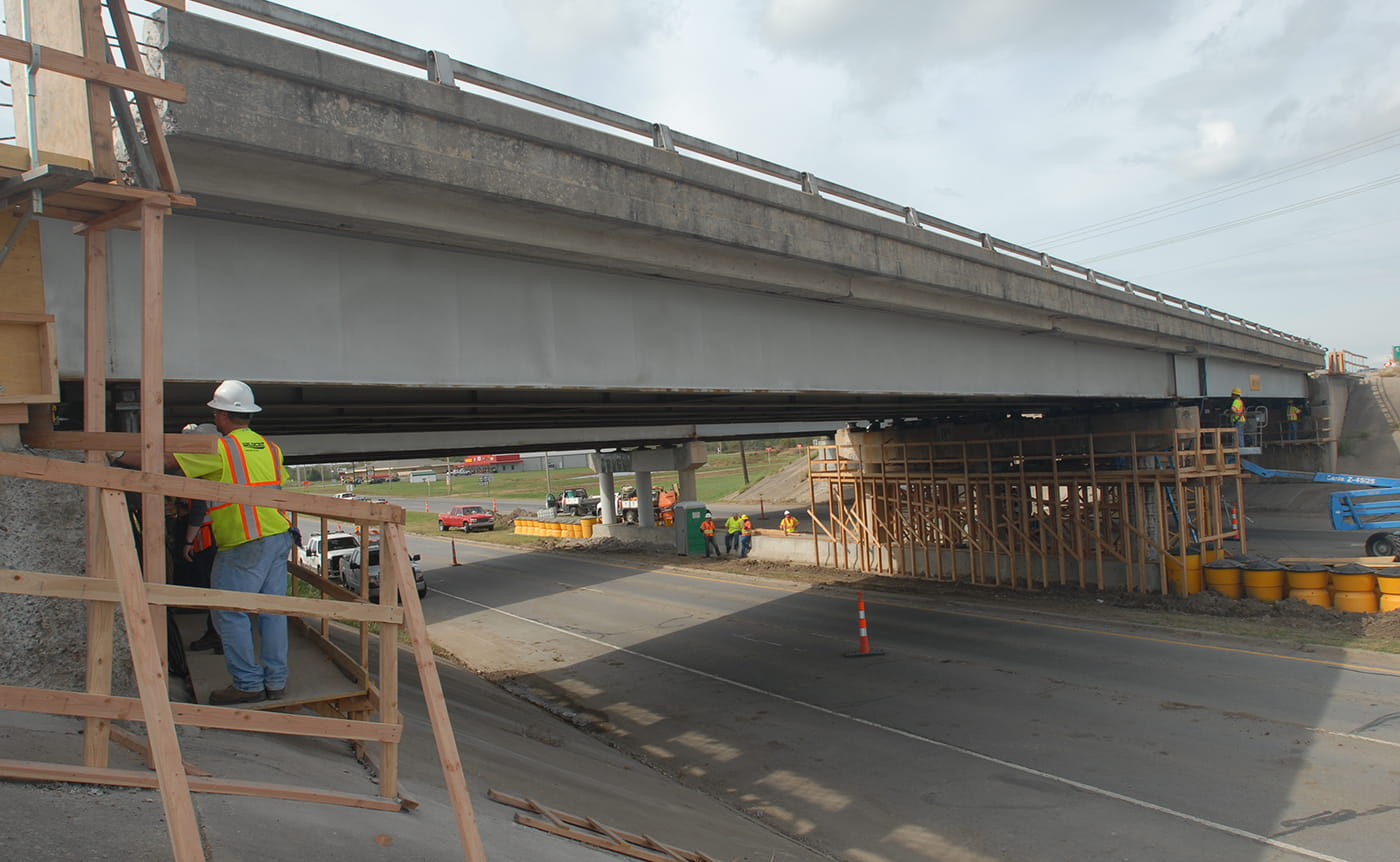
484,479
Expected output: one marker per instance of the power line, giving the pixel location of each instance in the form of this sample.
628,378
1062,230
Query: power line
1301,205
1289,244
1323,161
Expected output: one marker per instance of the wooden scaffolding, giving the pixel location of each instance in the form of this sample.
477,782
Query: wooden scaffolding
118,573
1098,510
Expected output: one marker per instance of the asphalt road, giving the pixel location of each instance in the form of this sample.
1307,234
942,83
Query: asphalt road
980,734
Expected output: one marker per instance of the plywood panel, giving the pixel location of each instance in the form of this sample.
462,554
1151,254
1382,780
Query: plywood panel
62,99
22,272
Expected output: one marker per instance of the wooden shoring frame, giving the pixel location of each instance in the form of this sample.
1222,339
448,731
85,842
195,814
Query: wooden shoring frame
1025,512
115,578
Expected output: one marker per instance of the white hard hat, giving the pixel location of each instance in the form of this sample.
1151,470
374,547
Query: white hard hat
787,513
234,396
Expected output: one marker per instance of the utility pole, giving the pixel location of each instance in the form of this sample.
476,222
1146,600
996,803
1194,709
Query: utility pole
744,462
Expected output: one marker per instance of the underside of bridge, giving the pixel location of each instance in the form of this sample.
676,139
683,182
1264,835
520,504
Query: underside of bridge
364,417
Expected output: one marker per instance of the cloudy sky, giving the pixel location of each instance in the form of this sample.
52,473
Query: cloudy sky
1244,154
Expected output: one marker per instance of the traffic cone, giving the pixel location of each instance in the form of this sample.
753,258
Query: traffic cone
454,553
865,649
425,504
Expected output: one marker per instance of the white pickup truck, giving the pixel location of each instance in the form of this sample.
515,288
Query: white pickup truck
333,545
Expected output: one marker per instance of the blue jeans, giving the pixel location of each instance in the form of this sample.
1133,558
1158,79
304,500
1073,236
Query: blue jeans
259,566
711,545
731,542
745,545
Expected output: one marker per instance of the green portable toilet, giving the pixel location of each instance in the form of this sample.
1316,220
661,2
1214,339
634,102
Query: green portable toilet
688,517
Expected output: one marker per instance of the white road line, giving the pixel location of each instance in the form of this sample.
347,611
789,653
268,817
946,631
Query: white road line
948,746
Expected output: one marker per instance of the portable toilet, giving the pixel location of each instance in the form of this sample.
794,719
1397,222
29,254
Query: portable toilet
688,517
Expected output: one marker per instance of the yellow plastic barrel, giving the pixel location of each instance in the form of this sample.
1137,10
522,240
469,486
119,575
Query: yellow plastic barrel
1320,597
1388,581
1223,576
1356,601
1353,582
1264,580
586,527
1304,576
1187,581
1390,602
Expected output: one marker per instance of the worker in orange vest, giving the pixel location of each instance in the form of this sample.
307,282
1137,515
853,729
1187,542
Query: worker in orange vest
745,536
788,524
707,527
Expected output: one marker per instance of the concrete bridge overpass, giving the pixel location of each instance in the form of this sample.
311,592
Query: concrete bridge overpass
400,265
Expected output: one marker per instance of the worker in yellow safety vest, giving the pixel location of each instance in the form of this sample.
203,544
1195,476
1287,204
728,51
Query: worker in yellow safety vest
253,543
732,527
707,528
1237,415
745,535
1291,414
788,524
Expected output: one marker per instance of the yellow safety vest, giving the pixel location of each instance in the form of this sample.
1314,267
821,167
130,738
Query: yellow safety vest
1293,412
1237,410
788,524
252,460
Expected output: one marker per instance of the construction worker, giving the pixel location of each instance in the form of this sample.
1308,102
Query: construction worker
733,525
707,528
192,548
253,543
1237,415
788,524
1291,414
745,536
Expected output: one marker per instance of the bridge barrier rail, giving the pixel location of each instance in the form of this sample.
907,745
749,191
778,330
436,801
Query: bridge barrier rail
439,67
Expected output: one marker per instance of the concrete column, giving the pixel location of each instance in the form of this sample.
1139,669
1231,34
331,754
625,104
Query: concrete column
607,509
646,515
687,486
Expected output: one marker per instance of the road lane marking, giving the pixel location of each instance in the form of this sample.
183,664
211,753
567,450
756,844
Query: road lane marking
936,743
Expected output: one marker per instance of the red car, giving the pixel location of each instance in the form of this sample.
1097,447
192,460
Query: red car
467,519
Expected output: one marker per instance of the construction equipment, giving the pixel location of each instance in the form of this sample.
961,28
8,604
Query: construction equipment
663,503
1376,507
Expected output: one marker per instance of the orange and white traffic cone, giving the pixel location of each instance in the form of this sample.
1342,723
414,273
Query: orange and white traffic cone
865,649
425,504
454,553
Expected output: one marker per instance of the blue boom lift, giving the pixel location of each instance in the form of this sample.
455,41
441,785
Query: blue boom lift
1374,506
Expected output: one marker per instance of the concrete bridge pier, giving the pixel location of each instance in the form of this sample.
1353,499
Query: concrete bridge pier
607,488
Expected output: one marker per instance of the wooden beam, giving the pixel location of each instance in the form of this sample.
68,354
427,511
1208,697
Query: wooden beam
114,708
101,616
95,476
153,551
436,700
123,217
104,158
153,685
142,748
108,441
32,771
78,66
170,595
145,104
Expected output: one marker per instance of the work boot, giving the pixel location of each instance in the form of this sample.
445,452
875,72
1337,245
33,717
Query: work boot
209,640
276,693
233,694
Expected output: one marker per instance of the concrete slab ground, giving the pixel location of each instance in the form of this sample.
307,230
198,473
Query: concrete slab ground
505,744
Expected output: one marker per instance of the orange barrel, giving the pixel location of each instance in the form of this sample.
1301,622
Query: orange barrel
1187,580
1356,602
1223,576
1388,582
1322,598
1307,576
1353,578
1264,580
